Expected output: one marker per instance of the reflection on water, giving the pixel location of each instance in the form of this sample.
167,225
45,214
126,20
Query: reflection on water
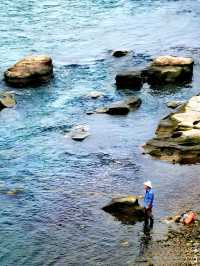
57,219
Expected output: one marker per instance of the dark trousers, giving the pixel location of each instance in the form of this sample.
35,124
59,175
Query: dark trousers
148,217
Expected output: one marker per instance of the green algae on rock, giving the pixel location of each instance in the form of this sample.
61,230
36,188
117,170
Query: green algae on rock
178,135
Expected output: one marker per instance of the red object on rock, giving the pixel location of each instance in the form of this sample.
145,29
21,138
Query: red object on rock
191,216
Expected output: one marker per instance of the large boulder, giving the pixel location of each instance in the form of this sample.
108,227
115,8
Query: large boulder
6,100
130,80
121,107
126,209
169,70
32,70
178,135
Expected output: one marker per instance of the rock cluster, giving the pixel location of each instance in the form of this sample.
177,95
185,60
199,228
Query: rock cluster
163,70
178,135
32,70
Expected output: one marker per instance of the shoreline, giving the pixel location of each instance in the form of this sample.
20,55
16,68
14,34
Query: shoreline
179,246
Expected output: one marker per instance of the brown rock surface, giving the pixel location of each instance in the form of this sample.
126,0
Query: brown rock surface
178,135
31,70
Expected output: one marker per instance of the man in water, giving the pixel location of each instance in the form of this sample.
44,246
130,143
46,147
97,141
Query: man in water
148,204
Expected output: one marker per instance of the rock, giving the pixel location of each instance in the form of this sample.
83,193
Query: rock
79,133
126,209
101,110
32,70
95,94
119,53
130,80
174,104
169,70
7,100
118,108
178,135
121,107
133,102
168,60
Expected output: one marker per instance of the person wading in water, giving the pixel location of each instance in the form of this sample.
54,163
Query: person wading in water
148,204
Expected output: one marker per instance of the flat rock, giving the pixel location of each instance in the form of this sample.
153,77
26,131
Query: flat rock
168,60
120,53
130,80
79,132
32,70
169,70
7,100
174,104
178,135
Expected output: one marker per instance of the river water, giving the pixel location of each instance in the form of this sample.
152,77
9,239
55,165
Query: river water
57,219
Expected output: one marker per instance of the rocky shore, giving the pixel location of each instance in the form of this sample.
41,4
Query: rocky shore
181,246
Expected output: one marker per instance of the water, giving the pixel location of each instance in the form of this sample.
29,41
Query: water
57,219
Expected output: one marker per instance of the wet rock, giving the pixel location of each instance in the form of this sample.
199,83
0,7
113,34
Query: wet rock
120,53
32,70
95,94
174,104
130,80
80,132
121,107
118,108
133,102
126,209
178,135
6,100
169,70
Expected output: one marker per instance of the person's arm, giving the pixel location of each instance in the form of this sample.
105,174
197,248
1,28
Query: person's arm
150,200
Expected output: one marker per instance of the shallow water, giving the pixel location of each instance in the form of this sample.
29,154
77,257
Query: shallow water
57,219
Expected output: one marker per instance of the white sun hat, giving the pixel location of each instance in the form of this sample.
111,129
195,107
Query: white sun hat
148,184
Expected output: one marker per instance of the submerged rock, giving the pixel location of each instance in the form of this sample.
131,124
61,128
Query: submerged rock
120,53
169,70
7,100
121,107
126,209
178,135
95,94
31,70
130,80
79,133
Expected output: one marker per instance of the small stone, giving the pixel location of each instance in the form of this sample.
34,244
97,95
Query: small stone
120,53
125,244
95,94
7,100
79,133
